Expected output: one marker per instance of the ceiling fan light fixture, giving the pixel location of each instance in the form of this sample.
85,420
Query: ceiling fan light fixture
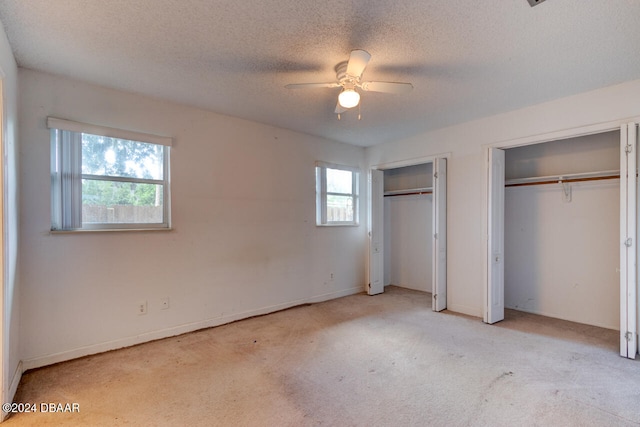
348,98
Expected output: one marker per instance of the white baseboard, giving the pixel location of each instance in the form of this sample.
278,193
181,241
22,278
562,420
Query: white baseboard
464,309
615,327
17,376
50,359
13,387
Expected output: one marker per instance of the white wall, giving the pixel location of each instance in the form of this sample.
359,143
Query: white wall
562,258
244,239
408,242
588,153
467,171
10,298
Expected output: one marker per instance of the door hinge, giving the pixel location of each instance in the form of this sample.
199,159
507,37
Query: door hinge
435,236
369,285
628,336
435,296
628,242
628,149
435,175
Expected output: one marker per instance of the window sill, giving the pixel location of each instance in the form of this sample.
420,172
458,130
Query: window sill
109,230
337,225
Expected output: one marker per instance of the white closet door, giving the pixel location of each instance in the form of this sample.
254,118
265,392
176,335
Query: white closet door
495,240
439,221
376,242
628,236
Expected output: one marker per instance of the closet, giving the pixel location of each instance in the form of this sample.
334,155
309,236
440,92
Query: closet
562,228
408,205
408,229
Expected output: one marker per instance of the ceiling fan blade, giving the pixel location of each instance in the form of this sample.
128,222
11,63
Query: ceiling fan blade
311,85
340,108
358,62
387,87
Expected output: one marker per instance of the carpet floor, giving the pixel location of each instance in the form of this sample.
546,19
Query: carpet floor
386,360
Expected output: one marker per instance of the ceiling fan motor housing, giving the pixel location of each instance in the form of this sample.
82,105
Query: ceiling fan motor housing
347,81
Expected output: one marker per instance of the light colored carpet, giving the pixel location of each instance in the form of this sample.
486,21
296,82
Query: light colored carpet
386,360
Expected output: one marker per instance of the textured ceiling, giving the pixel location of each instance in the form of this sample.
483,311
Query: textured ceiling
466,59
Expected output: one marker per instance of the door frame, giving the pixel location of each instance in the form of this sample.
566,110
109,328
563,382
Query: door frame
394,165
439,235
375,232
610,126
5,391
494,290
628,239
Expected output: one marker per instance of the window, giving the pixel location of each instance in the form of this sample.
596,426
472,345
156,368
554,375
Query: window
336,195
104,178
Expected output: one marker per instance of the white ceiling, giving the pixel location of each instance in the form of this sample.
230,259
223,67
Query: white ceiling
466,59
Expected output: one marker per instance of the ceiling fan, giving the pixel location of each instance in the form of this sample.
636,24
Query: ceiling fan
349,75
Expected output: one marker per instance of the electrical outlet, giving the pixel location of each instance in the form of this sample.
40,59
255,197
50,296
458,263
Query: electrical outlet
164,303
142,307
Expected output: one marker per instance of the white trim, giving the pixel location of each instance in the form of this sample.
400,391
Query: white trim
55,123
322,194
153,227
575,132
494,290
13,387
466,309
628,244
375,231
337,166
5,324
50,359
410,162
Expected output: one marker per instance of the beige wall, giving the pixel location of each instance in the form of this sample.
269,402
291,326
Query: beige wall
244,240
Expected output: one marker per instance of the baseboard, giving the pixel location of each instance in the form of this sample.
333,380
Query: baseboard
50,359
17,376
13,387
557,316
463,309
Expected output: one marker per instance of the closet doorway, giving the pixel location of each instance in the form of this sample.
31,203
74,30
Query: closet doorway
561,222
408,229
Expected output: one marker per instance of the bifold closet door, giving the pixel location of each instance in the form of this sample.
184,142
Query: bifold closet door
439,221
376,232
628,240
494,291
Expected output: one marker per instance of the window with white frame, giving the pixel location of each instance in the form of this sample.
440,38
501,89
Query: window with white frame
104,178
336,194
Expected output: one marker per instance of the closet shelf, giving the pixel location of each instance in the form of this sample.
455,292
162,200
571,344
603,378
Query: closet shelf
570,177
409,192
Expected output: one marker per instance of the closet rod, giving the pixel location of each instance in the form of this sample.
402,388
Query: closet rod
416,193
555,179
409,192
